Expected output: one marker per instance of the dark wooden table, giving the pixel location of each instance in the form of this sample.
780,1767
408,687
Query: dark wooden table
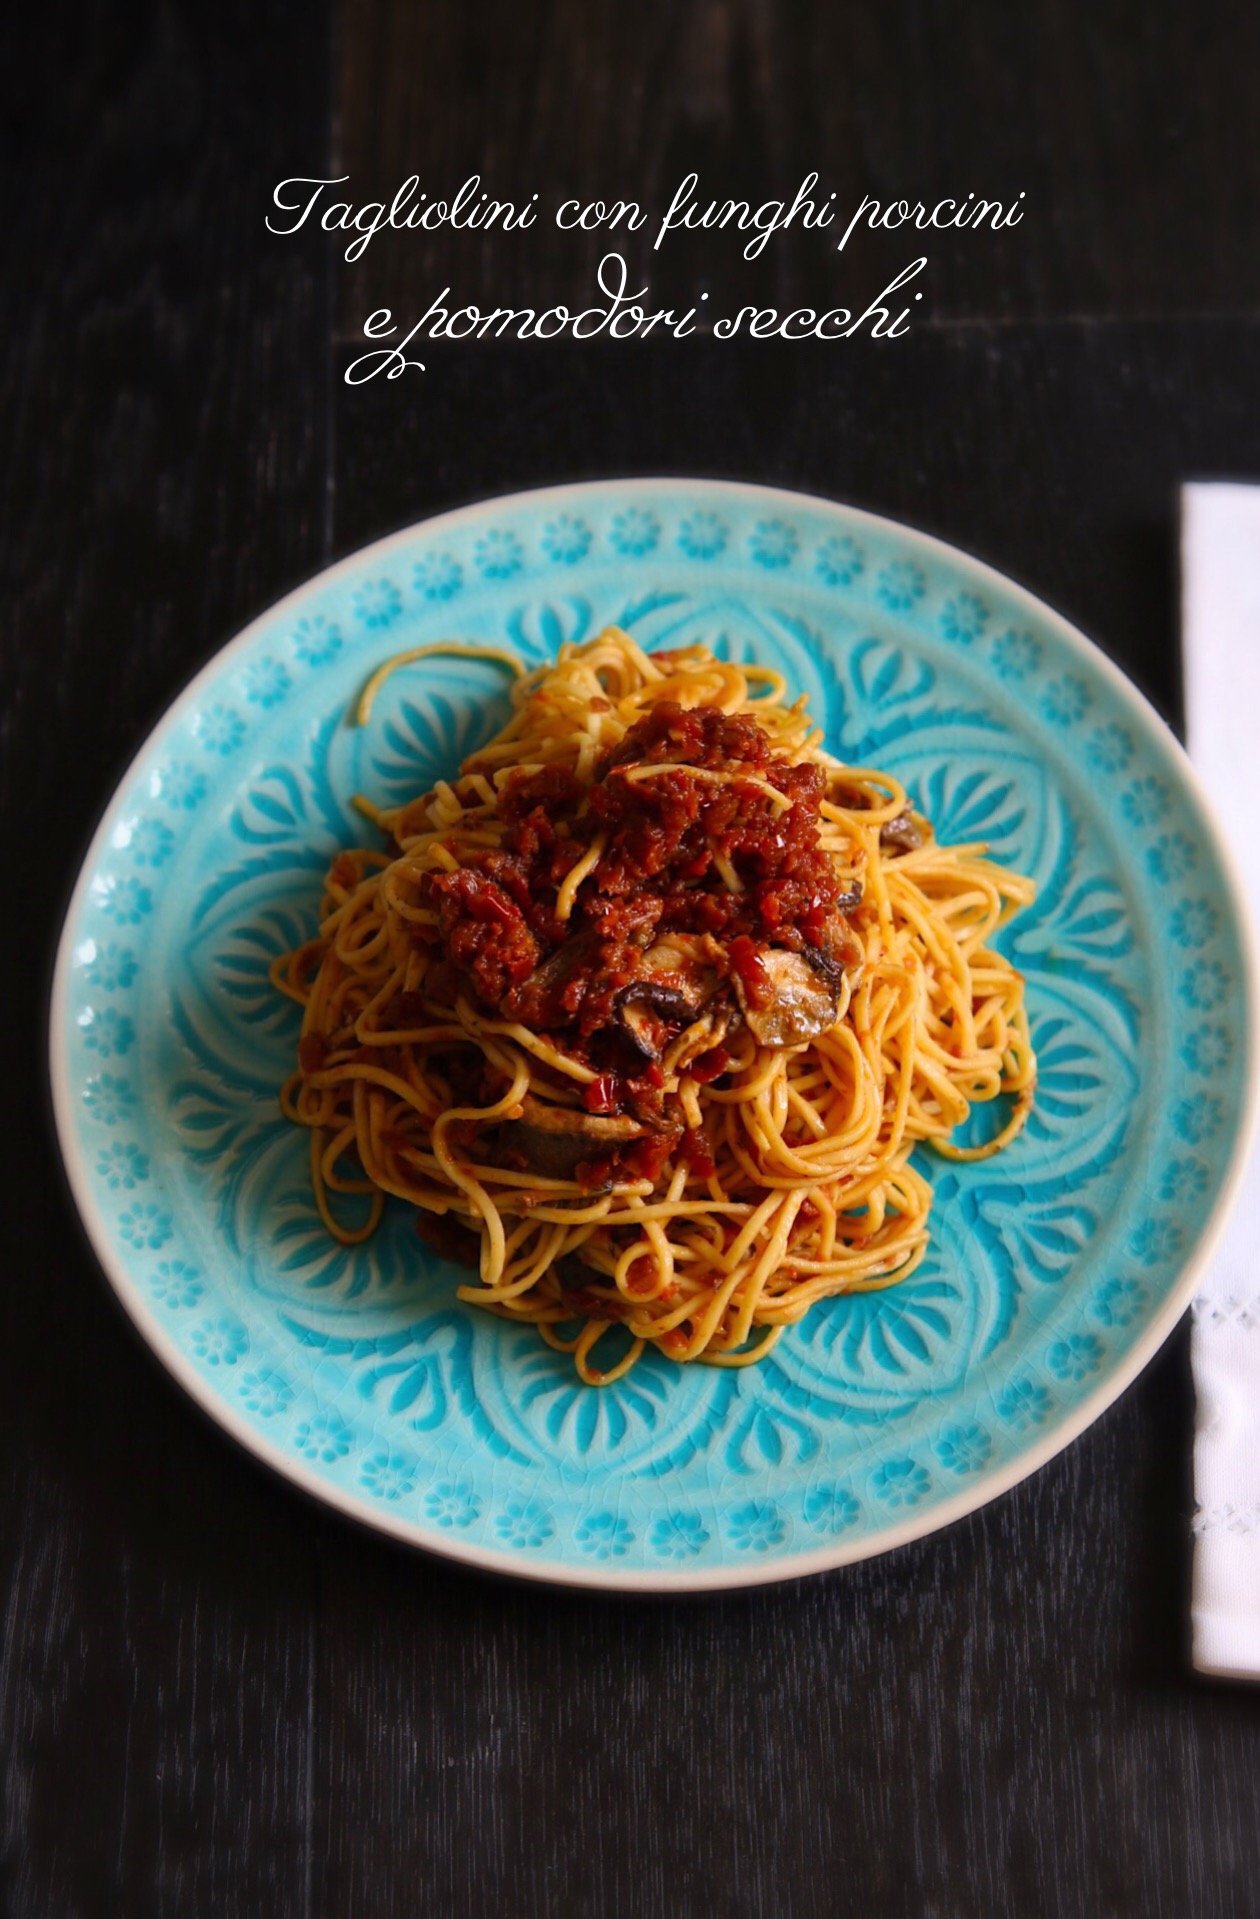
214,1696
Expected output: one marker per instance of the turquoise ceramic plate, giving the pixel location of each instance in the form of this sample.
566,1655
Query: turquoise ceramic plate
1055,1270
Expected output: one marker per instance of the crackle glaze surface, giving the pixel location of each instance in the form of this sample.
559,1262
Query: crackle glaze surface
1054,1269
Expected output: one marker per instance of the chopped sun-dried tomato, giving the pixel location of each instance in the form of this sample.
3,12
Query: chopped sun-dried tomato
603,1094
671,843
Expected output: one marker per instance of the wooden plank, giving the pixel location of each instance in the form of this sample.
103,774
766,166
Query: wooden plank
1122,130
162,391
212,1697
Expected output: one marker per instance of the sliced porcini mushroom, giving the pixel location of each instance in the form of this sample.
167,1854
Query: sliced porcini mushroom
641,1025
680,977
901,835
539,1000
685,964
801,997
701,1037
554,1140
648,1008
831,968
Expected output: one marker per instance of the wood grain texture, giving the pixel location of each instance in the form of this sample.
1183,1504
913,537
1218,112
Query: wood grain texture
1122,125
978,1724
214,1697
162,391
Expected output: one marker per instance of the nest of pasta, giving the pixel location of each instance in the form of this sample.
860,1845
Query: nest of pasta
646,1008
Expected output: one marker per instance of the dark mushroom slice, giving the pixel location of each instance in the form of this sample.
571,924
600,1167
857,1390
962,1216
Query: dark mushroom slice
679,978
554,1140
700,1037
543,1000
827,964
901,835
802,998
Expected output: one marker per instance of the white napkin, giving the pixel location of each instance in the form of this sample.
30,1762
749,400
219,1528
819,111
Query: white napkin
1220,572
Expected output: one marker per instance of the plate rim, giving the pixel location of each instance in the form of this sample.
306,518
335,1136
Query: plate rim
779,1569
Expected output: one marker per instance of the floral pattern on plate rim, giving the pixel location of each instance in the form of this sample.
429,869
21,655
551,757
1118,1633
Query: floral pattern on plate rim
869,1415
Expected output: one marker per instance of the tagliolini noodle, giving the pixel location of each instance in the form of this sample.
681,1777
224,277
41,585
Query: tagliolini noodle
646,1008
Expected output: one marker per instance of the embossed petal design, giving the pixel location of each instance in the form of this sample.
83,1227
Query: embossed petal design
356,1369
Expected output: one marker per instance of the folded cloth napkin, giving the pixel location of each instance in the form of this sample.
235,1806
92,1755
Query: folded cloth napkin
1220,571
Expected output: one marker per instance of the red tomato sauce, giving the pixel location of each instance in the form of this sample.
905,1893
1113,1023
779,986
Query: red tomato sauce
671,840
